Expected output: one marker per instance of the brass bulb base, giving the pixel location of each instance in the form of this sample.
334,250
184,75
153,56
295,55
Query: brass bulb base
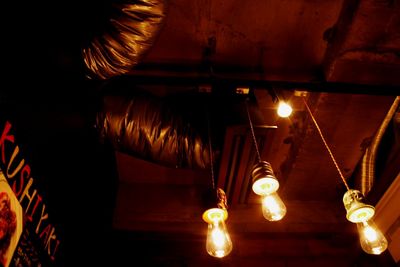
357,210
264,180
220,212
215,214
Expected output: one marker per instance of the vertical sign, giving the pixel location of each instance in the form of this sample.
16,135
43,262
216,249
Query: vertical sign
27,236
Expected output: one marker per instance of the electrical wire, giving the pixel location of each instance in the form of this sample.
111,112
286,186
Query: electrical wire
252,133
210,149
326,145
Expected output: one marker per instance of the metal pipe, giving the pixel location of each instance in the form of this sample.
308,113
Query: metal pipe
149,128
369,158
132,32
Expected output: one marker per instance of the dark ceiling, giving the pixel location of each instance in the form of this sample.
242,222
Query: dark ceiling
139,211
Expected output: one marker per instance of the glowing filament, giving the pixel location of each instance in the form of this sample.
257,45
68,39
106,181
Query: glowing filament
273,207
218,243
284,109
371,238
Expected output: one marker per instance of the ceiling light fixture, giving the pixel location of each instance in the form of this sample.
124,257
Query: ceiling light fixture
284,109
218,242
371,238
265,184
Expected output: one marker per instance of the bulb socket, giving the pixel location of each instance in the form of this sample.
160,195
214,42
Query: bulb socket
212,198
222,201
218,198
215,214
263,178
357,210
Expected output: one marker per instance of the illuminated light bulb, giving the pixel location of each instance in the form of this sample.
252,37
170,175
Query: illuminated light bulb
284,109
371,238
266,185
218,242
273,208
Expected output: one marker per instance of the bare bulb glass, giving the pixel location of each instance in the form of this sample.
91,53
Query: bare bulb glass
219,243
273,208
371,238
284,109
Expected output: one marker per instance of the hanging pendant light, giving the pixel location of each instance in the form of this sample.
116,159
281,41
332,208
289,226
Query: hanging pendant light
218,242
266,185
372,240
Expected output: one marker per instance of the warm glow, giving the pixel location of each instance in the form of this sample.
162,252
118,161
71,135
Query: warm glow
371,238
284,109
273,207
217,237
370,234
219,243
265,186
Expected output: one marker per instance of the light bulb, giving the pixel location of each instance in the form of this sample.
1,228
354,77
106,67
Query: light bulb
284,109
273,208
265,184
371,238
218,243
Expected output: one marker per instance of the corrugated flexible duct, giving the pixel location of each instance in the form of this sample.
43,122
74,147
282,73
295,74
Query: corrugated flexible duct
149,128
367,176
133,31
